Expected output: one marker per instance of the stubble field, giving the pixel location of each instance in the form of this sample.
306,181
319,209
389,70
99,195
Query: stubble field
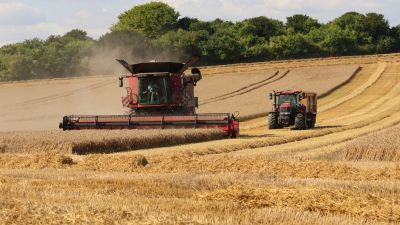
345,171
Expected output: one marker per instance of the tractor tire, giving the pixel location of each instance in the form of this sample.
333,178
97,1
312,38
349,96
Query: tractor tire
273,121
300,122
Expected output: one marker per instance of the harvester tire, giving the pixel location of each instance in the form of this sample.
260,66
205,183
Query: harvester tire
300,122
273,121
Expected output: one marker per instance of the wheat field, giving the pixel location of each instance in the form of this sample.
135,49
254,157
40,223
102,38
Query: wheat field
100,141
345,171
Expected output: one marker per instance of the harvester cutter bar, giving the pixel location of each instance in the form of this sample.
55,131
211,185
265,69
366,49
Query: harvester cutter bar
222,121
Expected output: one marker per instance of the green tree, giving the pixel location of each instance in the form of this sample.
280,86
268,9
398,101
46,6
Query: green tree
222,46
77,35
265,27
184,43
152,19
376,25
202,26
385,45
20,68
395,34
337,41
352,21
255,47
153,30
185,22
126,43
301,23
4,73
292,46
122,38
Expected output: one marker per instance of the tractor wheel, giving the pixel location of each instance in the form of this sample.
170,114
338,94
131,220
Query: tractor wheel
272,121
300,122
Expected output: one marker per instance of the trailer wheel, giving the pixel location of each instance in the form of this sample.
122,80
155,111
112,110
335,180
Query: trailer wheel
234,134
272,120
300,122
312,123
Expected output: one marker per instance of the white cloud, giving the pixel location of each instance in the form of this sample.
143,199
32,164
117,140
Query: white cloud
95,23
19,14
19,22
279,9
25,19
10,34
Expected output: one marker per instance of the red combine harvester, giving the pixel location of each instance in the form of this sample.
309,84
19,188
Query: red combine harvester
159,96
296,108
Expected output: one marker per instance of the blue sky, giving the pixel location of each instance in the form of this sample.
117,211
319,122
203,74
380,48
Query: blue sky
26,19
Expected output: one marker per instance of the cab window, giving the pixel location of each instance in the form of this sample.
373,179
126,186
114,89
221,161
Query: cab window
154,90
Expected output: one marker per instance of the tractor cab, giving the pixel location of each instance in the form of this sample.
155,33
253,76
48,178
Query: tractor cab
286,103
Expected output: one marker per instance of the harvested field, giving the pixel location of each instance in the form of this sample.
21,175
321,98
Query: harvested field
378,146
312,199
100,141
36,161
345,171
26,106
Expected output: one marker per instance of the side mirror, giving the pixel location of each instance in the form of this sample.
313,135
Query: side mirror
196,73
121,81
270,96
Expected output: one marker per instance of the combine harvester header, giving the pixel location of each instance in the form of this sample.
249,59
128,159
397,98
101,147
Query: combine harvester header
159,96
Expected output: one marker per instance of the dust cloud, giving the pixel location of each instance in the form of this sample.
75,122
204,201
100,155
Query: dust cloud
102,60
41,104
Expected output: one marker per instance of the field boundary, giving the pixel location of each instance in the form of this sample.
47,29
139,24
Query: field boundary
300,63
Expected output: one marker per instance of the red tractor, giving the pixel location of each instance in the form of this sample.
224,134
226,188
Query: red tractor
159,96
296,108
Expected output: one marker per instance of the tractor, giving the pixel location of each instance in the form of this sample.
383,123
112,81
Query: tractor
289,108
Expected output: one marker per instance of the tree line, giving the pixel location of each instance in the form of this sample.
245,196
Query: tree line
150,30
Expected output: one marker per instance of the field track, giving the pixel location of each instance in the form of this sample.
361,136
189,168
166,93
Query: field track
341,172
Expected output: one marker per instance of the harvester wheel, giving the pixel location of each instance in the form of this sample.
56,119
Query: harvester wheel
272,120
300,122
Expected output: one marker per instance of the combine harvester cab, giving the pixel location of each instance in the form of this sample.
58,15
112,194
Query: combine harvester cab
296,108
159,96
